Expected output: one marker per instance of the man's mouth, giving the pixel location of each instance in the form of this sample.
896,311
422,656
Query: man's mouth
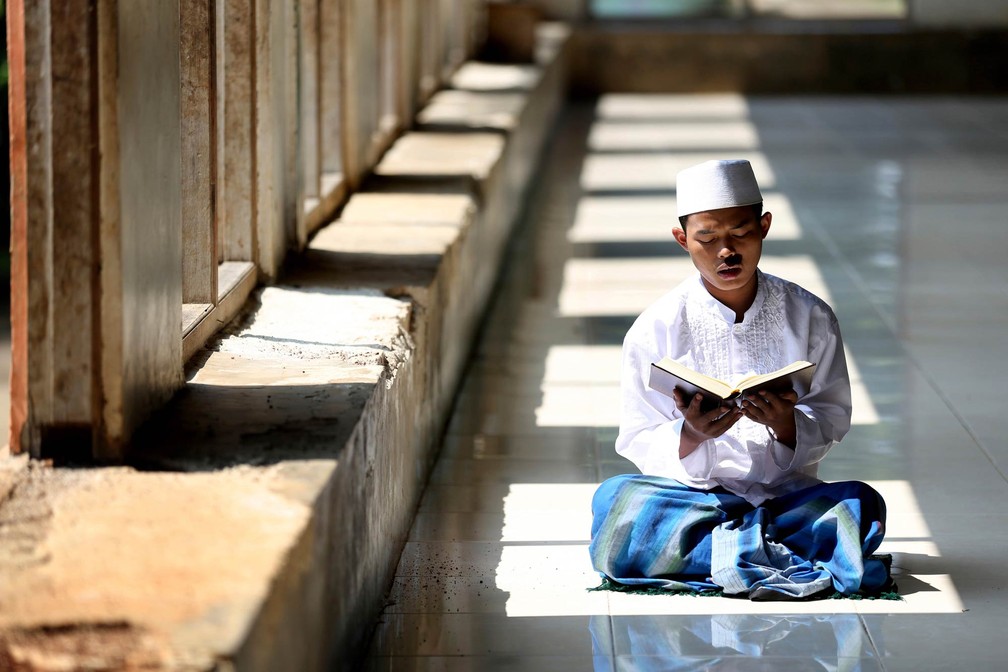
729,272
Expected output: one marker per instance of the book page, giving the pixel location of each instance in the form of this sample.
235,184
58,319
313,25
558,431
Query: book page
785,375
694,379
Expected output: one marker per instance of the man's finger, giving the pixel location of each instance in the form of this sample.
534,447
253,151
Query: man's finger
728,417
734,416
717,413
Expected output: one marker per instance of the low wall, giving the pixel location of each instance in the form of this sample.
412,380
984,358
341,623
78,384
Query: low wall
264,510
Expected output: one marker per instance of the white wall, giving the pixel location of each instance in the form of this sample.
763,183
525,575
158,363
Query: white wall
923,13
958,13
568,10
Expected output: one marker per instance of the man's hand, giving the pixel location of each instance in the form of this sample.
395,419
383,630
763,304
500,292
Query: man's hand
699,425
776,411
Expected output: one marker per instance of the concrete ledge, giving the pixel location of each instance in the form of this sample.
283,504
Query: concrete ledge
453,110
440,161
264,509
477,76
433,262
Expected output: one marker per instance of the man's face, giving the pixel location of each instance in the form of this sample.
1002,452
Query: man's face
725,246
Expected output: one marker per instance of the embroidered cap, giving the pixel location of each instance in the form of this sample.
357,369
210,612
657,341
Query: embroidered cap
713,185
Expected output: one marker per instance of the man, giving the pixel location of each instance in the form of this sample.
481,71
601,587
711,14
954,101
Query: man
728,498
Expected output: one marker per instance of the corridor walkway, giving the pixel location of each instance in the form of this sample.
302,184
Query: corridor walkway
894,211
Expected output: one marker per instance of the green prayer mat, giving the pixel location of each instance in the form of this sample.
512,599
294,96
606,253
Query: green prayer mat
612,586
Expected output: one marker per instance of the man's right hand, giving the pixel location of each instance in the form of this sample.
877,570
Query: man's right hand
702,425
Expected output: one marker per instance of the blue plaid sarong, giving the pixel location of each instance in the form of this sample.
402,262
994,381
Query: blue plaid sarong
650,531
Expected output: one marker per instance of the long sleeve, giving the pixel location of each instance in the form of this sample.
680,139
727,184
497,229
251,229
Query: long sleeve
822,416
650,423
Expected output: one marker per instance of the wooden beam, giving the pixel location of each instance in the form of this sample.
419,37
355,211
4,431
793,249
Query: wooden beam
22,50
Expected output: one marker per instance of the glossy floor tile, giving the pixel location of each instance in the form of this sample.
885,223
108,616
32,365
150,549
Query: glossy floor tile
891,209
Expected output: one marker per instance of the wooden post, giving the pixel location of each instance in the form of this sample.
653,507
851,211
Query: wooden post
26,53
54,158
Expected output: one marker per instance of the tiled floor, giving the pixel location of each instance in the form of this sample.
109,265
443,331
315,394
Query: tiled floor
893,210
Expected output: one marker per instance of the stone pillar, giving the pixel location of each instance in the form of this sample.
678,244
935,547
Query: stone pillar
331,62
360,111
236,123
97,264
199,245
140,262
54,214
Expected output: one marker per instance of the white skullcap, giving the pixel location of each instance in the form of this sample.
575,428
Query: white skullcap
713,185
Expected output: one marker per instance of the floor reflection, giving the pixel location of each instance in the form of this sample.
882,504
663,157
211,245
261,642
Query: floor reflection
863,191
828,642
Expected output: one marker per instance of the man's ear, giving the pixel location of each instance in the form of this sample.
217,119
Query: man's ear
765,223
680,236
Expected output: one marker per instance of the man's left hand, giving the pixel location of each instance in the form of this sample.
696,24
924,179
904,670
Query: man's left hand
776,411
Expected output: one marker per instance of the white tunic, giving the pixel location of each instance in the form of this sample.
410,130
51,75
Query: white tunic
786,323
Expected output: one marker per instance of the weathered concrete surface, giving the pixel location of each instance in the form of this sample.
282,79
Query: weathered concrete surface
441,209
11,469
429,156
186,569
430,263
143,553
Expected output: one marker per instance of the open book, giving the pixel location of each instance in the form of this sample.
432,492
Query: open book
669,374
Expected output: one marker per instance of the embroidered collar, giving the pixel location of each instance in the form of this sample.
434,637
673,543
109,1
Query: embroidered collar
704,298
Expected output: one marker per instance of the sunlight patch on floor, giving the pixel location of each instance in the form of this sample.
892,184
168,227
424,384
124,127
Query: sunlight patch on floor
626,106
546,569
634,171
728,135
626,286
634,218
